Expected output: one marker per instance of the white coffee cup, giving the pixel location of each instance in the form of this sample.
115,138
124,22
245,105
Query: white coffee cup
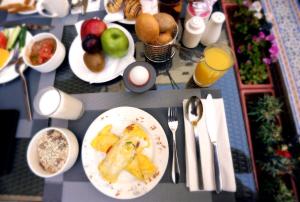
53,8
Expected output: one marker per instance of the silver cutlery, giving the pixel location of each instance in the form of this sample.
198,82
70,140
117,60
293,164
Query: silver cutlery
194,112
20,69
211,125
173,125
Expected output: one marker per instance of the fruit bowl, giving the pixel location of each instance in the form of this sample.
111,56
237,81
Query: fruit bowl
113,68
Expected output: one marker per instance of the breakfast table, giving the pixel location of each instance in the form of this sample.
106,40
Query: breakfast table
173,84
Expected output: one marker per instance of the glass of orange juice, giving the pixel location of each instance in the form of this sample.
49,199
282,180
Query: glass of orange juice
217,59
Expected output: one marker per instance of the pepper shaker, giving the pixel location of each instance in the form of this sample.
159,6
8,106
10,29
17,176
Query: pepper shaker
194,29
213,29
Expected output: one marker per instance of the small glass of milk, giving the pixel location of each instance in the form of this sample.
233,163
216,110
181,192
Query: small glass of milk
54,103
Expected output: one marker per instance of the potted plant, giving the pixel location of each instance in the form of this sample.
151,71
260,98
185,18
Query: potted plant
254,46
246,96
271,157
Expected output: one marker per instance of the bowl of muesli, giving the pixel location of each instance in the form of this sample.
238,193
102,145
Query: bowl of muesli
52,151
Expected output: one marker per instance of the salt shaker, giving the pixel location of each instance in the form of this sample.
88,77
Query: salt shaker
194,29
213,29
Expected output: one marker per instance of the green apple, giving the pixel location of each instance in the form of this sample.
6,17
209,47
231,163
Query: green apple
114,42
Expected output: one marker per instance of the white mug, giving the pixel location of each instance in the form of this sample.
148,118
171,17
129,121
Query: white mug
53,8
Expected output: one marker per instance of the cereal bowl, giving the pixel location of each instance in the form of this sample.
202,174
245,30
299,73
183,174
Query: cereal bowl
63,146
37,54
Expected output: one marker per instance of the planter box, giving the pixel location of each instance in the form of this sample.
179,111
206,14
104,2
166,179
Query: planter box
252,94
244,95
228,8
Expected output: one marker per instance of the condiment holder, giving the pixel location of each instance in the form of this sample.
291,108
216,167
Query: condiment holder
139,77
194,29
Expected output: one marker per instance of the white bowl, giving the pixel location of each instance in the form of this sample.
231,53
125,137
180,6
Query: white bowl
54,62
32,153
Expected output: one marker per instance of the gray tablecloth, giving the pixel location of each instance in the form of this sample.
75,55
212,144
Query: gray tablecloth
75,187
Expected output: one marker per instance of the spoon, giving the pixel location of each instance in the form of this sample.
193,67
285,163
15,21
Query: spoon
20,69
194,112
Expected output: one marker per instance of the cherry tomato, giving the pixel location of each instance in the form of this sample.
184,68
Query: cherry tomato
3,40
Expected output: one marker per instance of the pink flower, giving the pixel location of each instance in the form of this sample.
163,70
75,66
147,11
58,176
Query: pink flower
274,49
261,35
270,37
267,61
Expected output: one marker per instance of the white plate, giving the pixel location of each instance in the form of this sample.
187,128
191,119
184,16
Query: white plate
124,21
113,68
127,187
4,2
9,73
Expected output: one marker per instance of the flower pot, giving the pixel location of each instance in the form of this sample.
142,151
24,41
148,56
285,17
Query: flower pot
228,9
244,95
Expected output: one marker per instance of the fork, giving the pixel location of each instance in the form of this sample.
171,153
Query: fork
173,125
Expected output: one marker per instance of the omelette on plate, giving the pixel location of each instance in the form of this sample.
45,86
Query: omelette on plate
124,152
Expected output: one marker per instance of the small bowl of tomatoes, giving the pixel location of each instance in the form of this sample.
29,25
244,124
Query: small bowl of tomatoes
44,53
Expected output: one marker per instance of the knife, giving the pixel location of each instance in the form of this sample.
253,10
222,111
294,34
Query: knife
211,125
84,6
29,26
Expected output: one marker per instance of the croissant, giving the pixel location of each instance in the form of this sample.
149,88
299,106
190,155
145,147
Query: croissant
114,6
132,9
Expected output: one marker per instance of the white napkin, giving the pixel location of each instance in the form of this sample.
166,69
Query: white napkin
93,5
224,152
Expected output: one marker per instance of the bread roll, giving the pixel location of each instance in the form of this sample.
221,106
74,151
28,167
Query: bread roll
166,22
147,28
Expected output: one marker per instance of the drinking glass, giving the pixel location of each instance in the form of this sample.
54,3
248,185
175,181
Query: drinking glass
216,61
54,103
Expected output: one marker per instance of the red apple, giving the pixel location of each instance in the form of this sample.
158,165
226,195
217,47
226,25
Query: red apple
92,26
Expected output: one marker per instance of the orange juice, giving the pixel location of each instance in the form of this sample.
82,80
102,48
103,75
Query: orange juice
217,60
